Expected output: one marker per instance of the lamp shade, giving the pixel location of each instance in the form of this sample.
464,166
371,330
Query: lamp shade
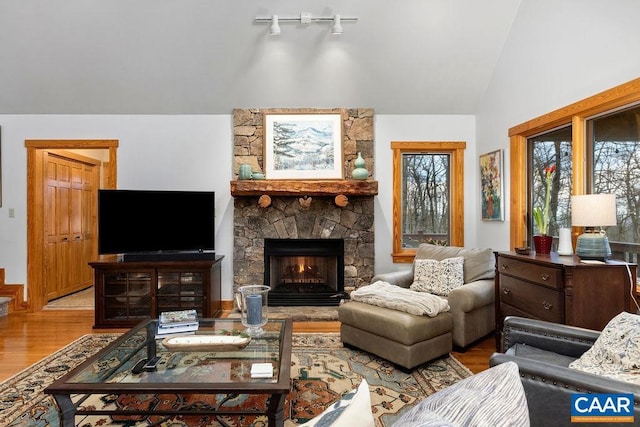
593,210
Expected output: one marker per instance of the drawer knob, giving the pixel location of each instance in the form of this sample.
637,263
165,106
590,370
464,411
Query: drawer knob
547,305
505,267
506,291
545,277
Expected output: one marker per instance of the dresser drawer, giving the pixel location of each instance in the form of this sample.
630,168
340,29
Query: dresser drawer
543,275
541,302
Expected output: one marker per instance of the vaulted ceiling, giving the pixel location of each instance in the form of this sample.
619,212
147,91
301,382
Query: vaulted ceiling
209,56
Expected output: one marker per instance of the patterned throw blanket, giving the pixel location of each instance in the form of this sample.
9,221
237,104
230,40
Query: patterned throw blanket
384,294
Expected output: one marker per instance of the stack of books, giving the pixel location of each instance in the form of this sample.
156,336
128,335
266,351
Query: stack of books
177,322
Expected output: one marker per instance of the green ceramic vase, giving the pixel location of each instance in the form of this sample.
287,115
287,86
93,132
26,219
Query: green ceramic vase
360,172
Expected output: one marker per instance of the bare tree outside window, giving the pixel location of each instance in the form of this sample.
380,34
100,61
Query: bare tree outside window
614,142
612,167
428,195
548,149
425,199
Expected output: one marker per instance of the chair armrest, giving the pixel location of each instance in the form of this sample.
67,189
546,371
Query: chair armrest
562,339
472,295
403,278
548,388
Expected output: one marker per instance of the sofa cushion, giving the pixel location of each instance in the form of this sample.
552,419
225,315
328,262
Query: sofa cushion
535,353
479,263
394,325
494,397
616,352
354,409
438,277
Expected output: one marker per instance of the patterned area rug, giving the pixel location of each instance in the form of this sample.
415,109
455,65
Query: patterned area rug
322,370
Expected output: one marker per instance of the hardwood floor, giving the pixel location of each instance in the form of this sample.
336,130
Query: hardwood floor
28,337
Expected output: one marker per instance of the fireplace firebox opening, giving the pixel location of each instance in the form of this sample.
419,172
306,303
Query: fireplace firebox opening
304,271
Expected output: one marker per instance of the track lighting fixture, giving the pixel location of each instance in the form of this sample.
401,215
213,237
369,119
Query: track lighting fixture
304,18
336,28
274,30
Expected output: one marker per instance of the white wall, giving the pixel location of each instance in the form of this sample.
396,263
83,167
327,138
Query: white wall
557,53
420,128
195,153
155,152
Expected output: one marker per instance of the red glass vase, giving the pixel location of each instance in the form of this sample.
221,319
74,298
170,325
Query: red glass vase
542,244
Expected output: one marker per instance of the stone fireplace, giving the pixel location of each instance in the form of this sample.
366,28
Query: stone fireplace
273,218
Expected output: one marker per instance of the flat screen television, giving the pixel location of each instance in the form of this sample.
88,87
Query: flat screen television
148,222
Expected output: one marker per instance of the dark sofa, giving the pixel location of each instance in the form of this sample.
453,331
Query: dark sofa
543,352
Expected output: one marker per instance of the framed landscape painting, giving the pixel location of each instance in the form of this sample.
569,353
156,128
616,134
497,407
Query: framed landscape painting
303,146
491,167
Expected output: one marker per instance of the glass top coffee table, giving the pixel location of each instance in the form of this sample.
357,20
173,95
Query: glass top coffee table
214,379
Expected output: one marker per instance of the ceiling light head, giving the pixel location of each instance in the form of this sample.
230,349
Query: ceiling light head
336,28
274,30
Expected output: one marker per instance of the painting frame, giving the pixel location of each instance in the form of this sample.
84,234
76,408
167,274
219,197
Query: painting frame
303,146
492,185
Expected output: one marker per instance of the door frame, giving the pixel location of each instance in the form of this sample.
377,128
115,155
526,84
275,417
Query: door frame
36,290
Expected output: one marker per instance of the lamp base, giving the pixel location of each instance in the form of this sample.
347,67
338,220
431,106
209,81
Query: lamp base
593,245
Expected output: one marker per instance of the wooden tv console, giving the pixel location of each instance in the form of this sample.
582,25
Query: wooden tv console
128,292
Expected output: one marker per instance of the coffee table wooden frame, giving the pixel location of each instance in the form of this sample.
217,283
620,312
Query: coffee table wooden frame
275,392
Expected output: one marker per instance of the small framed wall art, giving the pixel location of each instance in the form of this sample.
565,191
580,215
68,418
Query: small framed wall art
303,146
491,181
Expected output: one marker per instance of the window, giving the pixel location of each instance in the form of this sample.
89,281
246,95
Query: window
595,144
613,164
551,148
428,198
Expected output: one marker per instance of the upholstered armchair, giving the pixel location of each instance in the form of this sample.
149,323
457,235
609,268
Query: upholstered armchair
471,305
543,352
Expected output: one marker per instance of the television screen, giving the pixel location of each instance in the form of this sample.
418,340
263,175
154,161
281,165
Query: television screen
134,221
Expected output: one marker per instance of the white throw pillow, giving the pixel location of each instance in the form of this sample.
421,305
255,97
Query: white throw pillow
354,409
616,352
438,277
494,397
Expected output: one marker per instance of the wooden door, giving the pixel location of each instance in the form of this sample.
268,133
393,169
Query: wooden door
70,191
90,185
38,210
57,186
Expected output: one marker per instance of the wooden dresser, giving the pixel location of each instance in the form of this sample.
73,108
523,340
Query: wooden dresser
561,289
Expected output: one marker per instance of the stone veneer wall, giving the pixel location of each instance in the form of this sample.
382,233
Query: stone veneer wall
286,218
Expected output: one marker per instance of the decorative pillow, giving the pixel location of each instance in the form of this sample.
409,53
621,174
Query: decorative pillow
479,263
438,277
616,352
354,409
494,397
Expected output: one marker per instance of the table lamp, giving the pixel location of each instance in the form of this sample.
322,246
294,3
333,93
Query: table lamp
593,211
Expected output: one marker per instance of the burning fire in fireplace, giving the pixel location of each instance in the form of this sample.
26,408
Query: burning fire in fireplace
302,273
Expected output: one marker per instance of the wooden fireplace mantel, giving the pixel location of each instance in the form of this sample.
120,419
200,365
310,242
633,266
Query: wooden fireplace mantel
340,189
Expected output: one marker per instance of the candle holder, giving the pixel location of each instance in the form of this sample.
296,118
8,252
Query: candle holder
254,308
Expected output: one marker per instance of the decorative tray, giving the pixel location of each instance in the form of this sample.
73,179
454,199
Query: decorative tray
206,342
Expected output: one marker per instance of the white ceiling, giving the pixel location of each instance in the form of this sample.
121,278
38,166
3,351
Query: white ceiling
209,56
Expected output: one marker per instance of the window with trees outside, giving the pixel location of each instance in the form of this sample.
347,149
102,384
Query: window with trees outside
428,200
595,146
